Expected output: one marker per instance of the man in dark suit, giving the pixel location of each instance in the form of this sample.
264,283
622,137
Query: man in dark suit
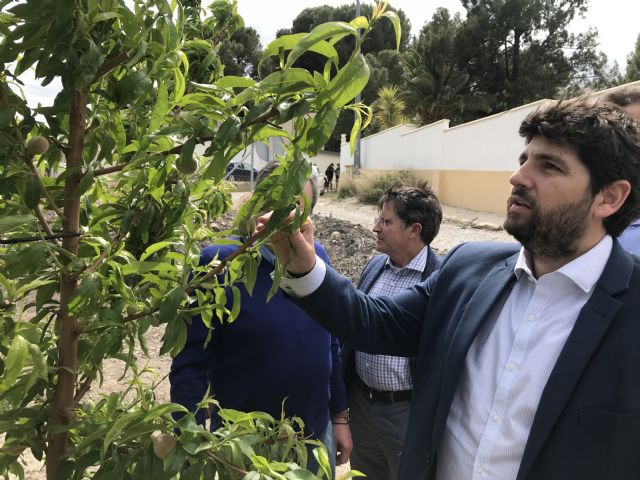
527,357
380,386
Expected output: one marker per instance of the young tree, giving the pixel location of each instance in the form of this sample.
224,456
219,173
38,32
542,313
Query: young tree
388,108
103,202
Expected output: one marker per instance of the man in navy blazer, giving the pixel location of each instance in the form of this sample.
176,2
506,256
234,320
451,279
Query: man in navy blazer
528,357
380,386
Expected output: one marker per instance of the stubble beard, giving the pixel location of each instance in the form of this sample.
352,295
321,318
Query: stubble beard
553,234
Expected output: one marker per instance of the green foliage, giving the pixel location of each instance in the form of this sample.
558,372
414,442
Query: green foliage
101,232
633,64
388,108
370,191
380,48
347,189
436,86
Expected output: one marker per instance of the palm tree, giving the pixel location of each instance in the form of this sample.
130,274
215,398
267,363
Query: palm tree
435,86
388,108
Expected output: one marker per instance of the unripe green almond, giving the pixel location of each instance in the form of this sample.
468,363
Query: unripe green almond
163,444
37,145
237,139
186,166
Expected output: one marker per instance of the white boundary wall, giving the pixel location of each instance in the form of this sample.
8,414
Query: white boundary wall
488,144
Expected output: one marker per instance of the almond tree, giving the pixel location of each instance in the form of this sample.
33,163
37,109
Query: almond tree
103,203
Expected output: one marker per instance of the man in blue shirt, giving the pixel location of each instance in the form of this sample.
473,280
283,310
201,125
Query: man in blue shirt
272,353
628,99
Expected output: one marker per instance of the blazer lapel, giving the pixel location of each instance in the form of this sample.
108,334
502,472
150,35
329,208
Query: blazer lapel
590,327
477,311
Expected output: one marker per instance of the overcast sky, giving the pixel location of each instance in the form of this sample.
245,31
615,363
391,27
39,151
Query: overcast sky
617,21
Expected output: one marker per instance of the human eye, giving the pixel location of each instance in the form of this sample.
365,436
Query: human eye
550,166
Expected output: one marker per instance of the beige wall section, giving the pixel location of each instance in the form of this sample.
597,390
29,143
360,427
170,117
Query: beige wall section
484,191
475,190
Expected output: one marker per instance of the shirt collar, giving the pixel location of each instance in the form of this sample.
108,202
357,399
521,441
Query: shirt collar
584,271
417,263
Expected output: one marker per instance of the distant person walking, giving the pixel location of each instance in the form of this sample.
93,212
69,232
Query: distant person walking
337,172
328,177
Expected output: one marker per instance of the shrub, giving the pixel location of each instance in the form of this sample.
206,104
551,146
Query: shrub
348,188
370,192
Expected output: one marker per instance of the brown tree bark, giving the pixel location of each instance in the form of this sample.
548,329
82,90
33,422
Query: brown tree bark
67,324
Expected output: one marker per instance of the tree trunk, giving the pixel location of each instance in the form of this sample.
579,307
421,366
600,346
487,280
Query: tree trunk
67,325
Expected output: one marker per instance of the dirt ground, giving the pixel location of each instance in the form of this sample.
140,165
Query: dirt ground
343,227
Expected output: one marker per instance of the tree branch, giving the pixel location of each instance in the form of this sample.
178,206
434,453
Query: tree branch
98,261
272,112
36,173
44,224
110,65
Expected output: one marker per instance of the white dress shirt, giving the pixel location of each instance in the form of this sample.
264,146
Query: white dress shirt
507,365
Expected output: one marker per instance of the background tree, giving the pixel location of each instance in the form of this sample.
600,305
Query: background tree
241,53
633,64
383,39
435,85
388,109
518,51
106,247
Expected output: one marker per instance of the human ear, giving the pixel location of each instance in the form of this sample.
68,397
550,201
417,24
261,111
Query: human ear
612,196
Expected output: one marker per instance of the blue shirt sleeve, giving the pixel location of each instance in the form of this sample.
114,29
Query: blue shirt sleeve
338,400
189,373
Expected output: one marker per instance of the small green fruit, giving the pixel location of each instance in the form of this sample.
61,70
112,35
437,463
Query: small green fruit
163,444
37,145
186,165
237,139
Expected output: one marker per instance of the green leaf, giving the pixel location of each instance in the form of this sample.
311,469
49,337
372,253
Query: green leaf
39,361
32,193
150,250
232,81
360,22
395,20
355,131
170,305
161,108
127,420
319,33
11,222
179,86
348,82
15,361
85,183
288,42
289,80
235,309
250,273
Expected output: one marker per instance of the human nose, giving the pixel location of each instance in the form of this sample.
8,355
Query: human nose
521,177
377,224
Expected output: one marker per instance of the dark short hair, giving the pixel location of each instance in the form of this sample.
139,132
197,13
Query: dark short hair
416,205
623,97
606,140
273,164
